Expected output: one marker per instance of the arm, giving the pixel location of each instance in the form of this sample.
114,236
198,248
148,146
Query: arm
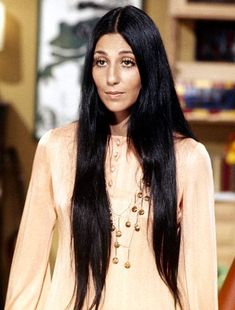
227,291
30,272
198,232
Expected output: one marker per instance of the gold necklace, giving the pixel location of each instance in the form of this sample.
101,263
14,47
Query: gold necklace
136,208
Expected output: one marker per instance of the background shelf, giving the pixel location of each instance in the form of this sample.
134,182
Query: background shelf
199,70
225,197
224,117
185,9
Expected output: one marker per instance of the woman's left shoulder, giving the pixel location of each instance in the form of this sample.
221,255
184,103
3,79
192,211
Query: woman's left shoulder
190,150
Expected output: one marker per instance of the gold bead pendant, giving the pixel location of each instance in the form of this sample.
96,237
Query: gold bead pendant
128,224
115,260
137,227
140,195
118,233
134,209
116,244
127,265
141,212
146,198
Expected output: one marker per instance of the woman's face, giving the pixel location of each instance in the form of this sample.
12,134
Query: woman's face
116,75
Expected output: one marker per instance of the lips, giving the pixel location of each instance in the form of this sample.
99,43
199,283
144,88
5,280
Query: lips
114,94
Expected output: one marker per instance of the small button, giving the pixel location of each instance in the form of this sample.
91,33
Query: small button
115,155
112,169
118,142
110,183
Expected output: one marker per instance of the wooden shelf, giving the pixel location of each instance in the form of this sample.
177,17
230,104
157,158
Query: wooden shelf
199,70
188,10
225,197
212,129
205,116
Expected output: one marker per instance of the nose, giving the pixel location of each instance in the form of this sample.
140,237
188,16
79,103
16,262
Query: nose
113,75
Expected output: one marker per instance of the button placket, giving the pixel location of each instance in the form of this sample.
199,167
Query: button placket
114,160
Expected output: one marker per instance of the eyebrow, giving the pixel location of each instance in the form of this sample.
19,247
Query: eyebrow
120,53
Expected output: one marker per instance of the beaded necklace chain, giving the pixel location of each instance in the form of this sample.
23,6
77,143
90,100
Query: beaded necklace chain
126,221
137,208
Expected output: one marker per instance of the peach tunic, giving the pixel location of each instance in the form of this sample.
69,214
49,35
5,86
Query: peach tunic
139,287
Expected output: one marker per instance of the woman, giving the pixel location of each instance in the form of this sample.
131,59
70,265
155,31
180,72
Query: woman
130,188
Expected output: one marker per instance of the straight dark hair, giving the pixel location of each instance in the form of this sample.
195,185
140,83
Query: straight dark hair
155,119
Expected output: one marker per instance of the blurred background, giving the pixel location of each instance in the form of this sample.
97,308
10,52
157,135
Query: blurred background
200,40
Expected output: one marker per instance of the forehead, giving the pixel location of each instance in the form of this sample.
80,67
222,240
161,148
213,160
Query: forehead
112,42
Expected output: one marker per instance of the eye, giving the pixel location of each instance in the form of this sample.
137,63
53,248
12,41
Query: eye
100,62
128,62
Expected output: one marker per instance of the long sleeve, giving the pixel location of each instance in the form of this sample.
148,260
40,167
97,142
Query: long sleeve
30,273
198,232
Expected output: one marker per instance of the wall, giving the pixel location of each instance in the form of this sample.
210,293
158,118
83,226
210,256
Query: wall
17,78
17,81
157,9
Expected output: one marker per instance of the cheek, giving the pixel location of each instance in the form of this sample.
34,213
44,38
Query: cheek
137,90
133,81
135,85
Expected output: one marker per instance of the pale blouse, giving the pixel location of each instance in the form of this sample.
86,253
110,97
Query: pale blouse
138,287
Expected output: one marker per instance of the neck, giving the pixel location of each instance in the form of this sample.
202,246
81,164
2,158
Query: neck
119,128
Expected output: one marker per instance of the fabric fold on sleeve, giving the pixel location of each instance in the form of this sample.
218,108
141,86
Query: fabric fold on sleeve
198,232
30,272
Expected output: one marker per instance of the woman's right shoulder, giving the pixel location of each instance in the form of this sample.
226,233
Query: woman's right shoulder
60,141
60,136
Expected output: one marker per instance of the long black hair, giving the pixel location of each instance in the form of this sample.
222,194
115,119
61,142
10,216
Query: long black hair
154,120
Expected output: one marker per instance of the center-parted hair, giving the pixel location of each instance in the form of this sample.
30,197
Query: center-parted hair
155,119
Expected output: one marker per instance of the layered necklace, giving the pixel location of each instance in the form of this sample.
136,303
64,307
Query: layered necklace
130,220
126,223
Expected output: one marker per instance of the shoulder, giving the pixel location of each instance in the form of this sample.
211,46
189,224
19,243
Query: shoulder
191,154
60,137
59,144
